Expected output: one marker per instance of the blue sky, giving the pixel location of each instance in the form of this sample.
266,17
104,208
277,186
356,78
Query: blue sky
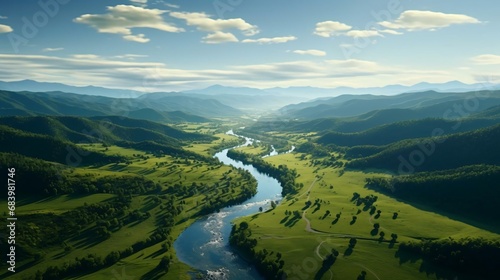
155,45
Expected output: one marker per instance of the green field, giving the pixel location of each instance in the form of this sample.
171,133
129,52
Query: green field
304,246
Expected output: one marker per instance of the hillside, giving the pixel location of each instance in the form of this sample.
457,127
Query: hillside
70,104
386,134
471,191
351,105
102,129
56,150
438,153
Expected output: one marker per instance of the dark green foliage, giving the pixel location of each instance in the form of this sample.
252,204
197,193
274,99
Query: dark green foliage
69,104
470,191
390,133
475,257
267,265
28,144
439,153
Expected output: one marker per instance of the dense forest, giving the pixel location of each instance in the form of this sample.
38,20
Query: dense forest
436,153
470,191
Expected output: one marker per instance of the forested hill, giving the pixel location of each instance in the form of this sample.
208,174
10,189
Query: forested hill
437,153
394,132
102,129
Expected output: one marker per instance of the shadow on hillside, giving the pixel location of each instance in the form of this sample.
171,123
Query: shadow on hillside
154,274
489,225
429,268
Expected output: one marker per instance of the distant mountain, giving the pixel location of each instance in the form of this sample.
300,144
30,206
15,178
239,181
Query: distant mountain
352,105
70,104
452,86
205,107
34,86
165,117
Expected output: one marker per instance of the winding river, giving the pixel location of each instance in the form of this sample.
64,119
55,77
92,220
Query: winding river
205,244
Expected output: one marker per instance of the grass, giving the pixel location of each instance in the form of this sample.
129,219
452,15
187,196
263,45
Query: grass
335,189
167,171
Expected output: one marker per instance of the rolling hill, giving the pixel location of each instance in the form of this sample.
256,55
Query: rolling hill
389,133
102,129
352,105
69,104
436,153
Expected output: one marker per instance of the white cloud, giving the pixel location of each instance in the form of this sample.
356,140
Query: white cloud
390,31
274,40
172,6
310,52
427,20
152,76
486,59
122,18
363,33
219,37
203,22
85,56
130,56
52,49
139,38
5,28
3,17
330,28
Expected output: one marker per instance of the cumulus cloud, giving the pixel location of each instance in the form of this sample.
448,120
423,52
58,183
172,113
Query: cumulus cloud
203,22
219,37
139,38
52,49
427,20
153,76
486,59
330,28
5,28
121,19
310,52
274,40
363,33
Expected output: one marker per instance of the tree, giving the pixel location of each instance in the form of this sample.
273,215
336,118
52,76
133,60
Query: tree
376,226
352,242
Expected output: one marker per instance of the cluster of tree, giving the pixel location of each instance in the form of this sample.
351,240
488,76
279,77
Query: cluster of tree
158,149
390,133
55,150
475,257
313,149
436,153
362,151
268,264
92,262
471,191
368,200
282,173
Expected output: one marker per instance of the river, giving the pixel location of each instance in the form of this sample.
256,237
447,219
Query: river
205,244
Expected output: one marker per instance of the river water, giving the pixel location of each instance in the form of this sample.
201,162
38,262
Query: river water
205,244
